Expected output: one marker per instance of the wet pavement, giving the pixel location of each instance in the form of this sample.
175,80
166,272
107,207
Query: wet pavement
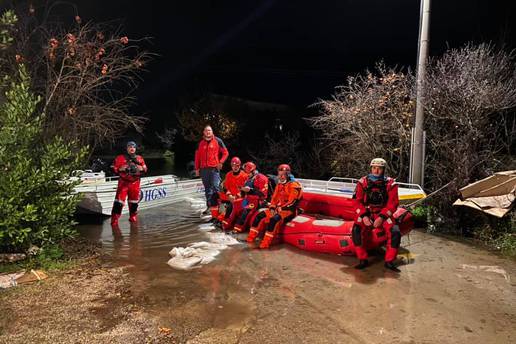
447,292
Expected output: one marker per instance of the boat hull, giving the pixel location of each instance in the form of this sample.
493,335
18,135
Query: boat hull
154,192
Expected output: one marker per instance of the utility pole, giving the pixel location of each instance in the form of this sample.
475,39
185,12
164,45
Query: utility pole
417,156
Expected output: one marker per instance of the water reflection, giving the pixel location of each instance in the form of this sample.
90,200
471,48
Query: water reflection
155,233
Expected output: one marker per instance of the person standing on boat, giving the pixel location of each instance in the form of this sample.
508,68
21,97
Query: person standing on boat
209,158
235,179
283,207
255,189
130,168
377,200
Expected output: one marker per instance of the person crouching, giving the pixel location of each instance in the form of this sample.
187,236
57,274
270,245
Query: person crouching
377,200
283,207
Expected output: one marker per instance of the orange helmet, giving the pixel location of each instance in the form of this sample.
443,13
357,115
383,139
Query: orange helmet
236,161
249,167
284,168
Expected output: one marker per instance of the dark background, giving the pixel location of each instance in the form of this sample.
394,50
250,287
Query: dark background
278,51
289,52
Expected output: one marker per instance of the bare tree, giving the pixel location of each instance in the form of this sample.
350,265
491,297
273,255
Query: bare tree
370,116
167,137
470,120
85,73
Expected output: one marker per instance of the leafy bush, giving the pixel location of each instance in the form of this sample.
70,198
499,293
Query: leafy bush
37,204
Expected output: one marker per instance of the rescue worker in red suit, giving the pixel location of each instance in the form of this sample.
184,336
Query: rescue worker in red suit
255,189
377,200
209,158
283,208
235,179
130,168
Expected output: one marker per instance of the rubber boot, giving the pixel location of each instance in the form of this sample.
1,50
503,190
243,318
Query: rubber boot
116,212
391,266
253,233
238,228
133,207
214,212
114,219
364,263
267,240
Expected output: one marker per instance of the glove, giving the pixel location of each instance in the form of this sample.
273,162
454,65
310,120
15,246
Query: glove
367,221
378,222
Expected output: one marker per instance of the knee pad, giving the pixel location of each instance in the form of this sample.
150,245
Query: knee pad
356,235
133,207
242,218
395,237
258,218
272,223
117,208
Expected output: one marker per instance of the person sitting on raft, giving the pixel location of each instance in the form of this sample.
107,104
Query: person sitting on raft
377,200
235,179
255,191
283,207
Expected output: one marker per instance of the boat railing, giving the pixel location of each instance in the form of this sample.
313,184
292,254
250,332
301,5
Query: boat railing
337,183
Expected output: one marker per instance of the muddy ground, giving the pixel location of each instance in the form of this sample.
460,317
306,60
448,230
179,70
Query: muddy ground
447,292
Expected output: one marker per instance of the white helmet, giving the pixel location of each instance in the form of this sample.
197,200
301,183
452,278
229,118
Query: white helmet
378,162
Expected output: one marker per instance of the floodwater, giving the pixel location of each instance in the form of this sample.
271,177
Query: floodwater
447,292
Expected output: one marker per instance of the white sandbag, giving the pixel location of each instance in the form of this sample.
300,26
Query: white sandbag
206,227
204,245
222,238
184,263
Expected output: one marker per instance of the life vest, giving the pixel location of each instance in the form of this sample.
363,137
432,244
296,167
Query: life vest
258,184
234,182
131,174
376,192
287,195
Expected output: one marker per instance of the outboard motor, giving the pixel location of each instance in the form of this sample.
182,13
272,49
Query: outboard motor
190,169
99,165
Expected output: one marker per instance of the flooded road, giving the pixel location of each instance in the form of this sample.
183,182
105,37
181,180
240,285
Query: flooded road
448,292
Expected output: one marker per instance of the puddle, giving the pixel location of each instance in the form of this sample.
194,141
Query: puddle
215,295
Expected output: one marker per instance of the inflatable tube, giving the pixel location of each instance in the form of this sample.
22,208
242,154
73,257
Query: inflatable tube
326,223
333,235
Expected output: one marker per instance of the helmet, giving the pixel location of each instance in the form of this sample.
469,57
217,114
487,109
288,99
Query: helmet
236,161
131,143
378,162
249,167
284,168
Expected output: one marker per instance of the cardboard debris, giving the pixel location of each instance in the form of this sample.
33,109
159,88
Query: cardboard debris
493,195
13,279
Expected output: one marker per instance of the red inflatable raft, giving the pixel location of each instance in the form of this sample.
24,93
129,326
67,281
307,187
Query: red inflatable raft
326,223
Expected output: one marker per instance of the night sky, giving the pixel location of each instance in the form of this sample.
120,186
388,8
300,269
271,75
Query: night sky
287,52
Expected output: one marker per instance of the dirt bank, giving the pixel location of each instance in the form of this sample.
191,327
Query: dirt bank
449,293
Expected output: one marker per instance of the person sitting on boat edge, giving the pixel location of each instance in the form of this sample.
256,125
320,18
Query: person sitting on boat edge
210,155
283,208
130,168
377,200
255,193
235,179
